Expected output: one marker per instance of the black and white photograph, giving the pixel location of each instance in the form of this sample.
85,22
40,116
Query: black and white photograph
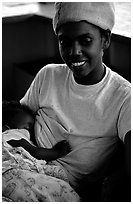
66,101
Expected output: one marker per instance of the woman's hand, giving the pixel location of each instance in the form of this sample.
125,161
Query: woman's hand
62,148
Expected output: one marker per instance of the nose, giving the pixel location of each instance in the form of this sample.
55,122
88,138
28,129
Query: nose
75,49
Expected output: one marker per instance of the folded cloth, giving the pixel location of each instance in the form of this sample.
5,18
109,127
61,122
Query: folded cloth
100,14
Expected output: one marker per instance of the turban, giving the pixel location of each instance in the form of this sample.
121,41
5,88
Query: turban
101,14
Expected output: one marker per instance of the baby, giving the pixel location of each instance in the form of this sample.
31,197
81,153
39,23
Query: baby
18,118
19,142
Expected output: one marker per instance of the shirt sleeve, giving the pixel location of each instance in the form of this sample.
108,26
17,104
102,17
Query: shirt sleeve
31,98
124,120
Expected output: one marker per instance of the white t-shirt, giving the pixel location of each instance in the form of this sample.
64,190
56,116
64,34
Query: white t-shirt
92,118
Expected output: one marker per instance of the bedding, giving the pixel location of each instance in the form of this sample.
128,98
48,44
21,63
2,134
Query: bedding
26,179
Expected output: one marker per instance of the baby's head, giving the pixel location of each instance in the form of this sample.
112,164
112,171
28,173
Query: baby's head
16,116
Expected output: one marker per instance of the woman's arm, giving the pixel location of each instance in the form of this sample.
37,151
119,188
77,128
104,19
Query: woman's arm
59,150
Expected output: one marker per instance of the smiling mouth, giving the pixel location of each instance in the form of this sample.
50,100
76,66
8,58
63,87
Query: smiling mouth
78,64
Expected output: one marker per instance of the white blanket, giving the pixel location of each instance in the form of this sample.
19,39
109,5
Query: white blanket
27,179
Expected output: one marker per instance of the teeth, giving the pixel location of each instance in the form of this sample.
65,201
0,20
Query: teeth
77,64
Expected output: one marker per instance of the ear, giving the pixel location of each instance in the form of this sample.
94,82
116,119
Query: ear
106,39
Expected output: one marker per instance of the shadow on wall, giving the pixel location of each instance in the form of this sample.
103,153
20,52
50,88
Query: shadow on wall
30,43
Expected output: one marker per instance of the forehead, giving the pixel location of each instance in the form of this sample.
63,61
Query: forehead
74,29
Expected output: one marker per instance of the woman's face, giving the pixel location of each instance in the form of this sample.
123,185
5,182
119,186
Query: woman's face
81,47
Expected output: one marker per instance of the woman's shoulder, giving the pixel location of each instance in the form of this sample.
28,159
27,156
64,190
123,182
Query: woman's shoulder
118,80
118,86
54,68
52,71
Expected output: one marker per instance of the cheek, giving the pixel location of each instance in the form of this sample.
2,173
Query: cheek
94,53
96,48
63,53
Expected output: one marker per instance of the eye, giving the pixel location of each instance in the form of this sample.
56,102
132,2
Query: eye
85,41
64,41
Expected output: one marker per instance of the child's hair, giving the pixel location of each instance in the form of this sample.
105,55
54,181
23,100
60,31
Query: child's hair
11,108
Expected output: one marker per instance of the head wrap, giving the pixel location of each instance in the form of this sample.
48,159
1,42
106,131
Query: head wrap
100,14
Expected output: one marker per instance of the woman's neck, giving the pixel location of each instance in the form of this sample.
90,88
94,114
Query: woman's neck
92,78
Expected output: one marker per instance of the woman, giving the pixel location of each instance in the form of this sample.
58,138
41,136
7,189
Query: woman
82,101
